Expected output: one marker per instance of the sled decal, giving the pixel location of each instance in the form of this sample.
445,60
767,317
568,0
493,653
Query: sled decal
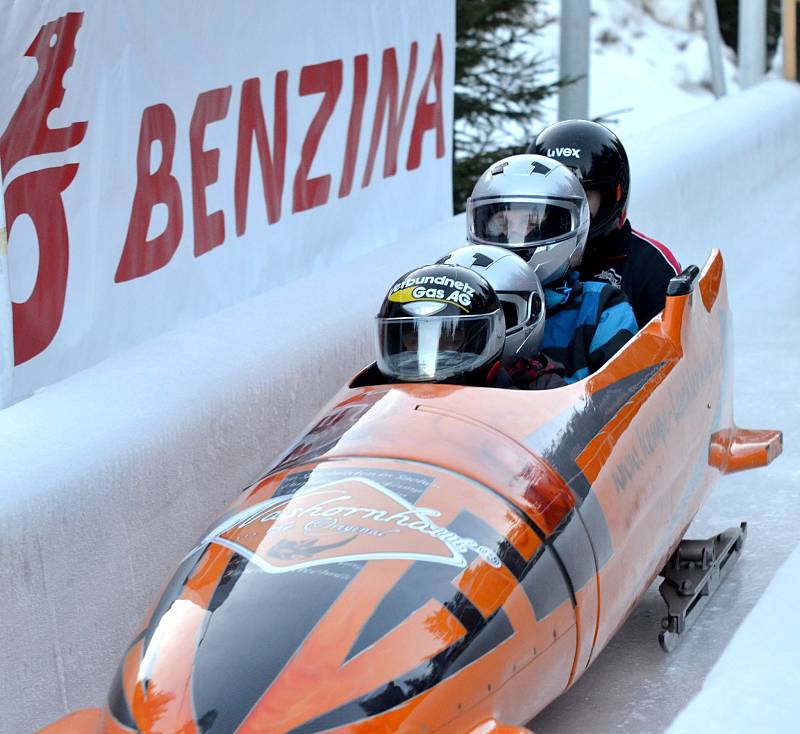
352,518
562,442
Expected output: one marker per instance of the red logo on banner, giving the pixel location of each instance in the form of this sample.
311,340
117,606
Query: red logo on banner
255,144
38,194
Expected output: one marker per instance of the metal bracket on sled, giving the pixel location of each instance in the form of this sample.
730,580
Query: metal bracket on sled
693,573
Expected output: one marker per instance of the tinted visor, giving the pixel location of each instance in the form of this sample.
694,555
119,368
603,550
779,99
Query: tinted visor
522,222
435,348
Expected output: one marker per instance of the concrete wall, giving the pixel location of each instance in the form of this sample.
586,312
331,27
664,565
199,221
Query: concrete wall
107,478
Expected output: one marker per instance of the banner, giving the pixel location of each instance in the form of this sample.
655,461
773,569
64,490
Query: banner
164,160
6,340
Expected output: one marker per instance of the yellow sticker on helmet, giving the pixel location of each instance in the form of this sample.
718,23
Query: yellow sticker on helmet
403,296
428,288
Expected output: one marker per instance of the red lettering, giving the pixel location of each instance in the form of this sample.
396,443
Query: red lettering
251,122
38,195
428,116
326,79
27,132
141,256
387,93
209,229
354,126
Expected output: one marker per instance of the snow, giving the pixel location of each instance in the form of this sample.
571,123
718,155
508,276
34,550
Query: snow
6,343
644,70
649,64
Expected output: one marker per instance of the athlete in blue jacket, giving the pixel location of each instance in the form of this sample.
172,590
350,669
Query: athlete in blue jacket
537,208
586,324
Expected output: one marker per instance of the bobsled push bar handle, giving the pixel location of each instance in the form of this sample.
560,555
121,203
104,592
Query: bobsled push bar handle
682,284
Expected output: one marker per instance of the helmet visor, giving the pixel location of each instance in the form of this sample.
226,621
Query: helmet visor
435,348
522,222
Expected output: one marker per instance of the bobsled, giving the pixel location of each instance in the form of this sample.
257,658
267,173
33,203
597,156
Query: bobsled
441,558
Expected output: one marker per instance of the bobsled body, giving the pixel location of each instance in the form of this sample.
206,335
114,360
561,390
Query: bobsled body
440,558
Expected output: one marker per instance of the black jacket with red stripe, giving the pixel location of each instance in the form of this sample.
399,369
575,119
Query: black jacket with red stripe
641,266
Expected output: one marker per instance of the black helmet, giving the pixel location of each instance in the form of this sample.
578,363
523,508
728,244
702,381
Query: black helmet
439,322
598,159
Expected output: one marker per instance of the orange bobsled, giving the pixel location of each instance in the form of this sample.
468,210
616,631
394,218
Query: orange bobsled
442,558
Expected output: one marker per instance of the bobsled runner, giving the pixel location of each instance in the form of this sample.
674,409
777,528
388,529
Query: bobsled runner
440,558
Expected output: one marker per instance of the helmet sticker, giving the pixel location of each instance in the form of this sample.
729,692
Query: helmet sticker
537,167
563,152
479,260
423,289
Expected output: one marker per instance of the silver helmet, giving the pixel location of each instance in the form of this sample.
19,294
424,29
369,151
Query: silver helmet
534,206
518,289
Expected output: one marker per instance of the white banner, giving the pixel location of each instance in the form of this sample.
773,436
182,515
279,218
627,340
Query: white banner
164,160
6,336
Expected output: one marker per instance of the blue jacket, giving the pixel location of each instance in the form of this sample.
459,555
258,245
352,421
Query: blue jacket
586,323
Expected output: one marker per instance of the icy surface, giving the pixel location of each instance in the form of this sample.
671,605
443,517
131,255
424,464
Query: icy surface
755,684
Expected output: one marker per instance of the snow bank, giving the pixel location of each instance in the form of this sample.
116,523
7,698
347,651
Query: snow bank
649,61
109,476
754,685
691,171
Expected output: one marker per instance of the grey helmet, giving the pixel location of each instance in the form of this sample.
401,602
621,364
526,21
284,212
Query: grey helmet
534,206
518,289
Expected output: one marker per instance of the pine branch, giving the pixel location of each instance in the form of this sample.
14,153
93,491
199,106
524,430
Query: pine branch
498,85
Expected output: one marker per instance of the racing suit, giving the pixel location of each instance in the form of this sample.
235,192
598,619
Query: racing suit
639,265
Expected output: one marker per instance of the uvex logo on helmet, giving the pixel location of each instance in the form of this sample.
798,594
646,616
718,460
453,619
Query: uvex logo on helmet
563,152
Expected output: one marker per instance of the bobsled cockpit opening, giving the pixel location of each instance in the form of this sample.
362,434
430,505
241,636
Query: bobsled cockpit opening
371,376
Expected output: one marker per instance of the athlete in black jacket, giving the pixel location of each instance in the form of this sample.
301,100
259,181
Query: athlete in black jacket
641,266
615,252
